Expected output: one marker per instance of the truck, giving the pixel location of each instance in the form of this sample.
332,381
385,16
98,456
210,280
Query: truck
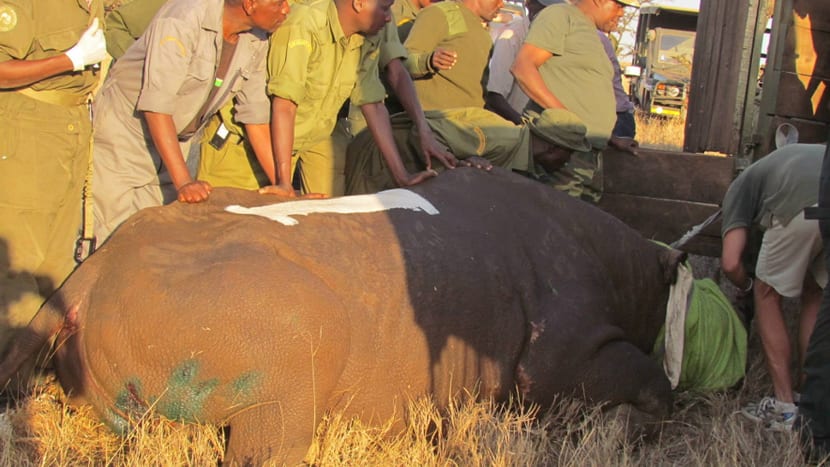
662,60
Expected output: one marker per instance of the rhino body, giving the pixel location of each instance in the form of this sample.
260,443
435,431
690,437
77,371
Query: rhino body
212,316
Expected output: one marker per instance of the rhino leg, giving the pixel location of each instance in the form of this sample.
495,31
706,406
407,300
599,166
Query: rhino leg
271,434
620,373
573,350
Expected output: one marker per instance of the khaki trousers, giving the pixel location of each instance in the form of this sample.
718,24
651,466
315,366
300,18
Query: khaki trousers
44,152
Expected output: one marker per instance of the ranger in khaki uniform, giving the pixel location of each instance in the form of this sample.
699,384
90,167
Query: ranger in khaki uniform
478,138
195,56
46,49
315,63
562,64
233,163
456,26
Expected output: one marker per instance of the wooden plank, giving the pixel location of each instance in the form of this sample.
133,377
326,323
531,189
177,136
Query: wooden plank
665,220
803,97
720,76
802,52
668,175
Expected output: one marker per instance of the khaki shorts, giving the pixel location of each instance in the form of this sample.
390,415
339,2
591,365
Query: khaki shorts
788,252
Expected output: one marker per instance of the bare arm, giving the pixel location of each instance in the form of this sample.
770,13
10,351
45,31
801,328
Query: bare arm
495,102
377,119
259,135
283,115
19,73
734,243
163,132
401,83
526,71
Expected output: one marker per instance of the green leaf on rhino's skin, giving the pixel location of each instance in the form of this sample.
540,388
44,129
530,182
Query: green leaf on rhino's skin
185,396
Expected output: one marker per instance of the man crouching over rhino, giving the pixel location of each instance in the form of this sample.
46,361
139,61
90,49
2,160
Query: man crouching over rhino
475,281
478,138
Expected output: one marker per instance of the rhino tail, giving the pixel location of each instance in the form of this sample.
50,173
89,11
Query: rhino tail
28,345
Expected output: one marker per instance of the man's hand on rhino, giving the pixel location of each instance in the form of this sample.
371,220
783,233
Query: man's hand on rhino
432,149
477,162
194,192
628,145
414,179
443,59
287,191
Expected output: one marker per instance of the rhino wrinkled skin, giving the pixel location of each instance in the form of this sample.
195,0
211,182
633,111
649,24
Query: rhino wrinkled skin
210,316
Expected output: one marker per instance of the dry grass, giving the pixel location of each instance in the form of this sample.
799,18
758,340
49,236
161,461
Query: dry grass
704,430
660,133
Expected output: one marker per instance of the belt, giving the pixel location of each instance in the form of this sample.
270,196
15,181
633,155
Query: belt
56,97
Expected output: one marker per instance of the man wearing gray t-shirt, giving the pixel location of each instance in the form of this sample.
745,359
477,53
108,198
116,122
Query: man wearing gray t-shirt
771,195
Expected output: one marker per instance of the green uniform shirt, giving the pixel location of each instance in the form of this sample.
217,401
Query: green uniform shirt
779,186
453,26
313,64
34,30
127,23
390,48
579,73
404,13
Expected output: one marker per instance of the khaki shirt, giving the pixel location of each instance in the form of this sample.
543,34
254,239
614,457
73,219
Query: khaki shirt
403,14
313,64
390,47
449,25
171,68
38,29
579,73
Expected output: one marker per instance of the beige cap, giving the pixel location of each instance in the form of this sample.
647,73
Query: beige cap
560,127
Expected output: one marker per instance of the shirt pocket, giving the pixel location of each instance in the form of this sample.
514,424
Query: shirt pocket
59,41
199,73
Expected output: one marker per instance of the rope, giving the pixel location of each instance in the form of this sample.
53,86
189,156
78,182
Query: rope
694,231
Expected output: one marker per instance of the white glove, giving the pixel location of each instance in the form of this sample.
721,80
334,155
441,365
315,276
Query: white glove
90,49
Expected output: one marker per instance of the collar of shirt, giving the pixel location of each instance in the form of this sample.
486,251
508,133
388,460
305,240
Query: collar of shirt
213,18
337,34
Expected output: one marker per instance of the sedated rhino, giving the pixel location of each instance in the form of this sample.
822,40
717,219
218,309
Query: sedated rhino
480,281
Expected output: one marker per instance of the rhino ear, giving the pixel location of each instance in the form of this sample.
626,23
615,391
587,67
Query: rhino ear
669,260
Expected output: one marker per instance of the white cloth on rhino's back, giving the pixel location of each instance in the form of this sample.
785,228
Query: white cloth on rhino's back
383,201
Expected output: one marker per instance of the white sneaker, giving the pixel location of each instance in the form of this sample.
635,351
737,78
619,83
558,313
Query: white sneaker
774,414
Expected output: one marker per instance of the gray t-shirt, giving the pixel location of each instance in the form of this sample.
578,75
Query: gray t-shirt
778,186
